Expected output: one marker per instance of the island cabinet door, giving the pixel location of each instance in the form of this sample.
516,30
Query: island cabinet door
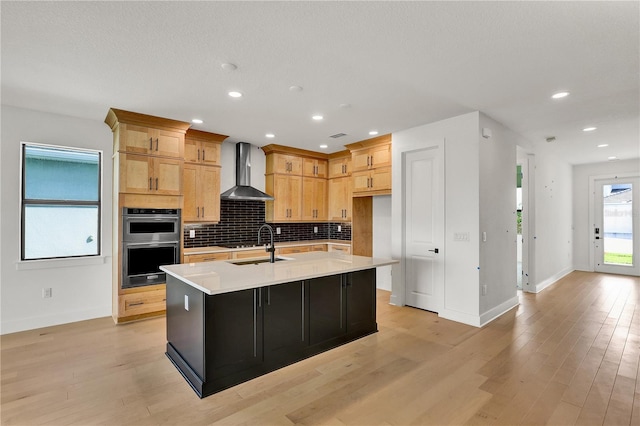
361,302
327,309
233,333
285,331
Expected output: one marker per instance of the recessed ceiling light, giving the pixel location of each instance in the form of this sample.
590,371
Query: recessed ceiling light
323,146
295,88
317,117
602,145
560,95
373,132
589,129
345,106
197,121
235,94
270,135
612,158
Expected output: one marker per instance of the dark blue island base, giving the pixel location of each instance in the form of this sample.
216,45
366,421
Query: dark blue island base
218,341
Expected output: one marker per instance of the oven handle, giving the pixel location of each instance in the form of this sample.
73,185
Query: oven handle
155,244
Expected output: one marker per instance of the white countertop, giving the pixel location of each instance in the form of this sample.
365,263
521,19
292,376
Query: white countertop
224,277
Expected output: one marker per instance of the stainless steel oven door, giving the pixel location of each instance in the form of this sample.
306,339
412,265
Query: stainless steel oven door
150,229
141,262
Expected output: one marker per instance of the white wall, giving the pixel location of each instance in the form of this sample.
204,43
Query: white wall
461,259
553,216
583,231
80,291
382,238
498,254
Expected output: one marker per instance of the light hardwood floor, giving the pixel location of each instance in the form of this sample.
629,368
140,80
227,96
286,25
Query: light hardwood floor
568,355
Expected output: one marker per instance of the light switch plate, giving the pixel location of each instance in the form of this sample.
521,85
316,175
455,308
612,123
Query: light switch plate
315,229
339,228
192,233
278,231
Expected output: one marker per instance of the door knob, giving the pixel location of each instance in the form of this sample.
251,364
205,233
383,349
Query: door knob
434,251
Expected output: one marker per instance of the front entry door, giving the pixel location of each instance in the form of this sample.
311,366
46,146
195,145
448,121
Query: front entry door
616,231
424,228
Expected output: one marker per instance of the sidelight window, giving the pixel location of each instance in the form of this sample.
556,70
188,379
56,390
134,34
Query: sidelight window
61,192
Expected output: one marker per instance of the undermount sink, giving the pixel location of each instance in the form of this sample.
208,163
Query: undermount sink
256,261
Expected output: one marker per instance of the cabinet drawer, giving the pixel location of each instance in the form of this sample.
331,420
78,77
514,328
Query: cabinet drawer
339,248
248,254
208,257
142,302
298,249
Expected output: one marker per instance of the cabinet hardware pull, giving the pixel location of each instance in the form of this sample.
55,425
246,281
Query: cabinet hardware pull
198,211
255,315
156,184
341,287
203,151
198,155
372,161
150,184
136,304
157,143
302,286
268,296
371,182
150,144
202,211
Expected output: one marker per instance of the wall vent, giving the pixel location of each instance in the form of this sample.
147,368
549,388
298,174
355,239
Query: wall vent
338,135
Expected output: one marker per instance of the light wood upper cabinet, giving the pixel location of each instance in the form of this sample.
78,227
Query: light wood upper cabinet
314,199
144,174
284,164
314,167
340,199
340,167
201,190
202,147
287,191
371,160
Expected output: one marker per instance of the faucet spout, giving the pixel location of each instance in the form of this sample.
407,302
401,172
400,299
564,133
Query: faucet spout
272,248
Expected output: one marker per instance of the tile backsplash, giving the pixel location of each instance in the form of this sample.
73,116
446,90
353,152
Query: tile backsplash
240,221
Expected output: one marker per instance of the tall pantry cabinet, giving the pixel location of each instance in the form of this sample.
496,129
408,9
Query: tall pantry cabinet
148,170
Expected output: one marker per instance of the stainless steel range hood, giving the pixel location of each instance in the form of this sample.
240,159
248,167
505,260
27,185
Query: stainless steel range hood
243,189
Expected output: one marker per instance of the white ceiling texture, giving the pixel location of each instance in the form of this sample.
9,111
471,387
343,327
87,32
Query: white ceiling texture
384,66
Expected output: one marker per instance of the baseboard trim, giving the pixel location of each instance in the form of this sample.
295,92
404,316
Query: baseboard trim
460,317
494,313
553,279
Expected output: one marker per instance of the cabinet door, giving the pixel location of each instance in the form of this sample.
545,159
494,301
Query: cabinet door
361,160
380,156
361,181
135,139
136,174
321,202
284,321
167,176
209,192
191,151
339,167
339,199
314,167
167,143
233,332
326,309
190,209
314,199
361,301
287,164
381,179
210,153
281,208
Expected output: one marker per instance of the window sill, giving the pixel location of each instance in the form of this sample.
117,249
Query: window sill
59,263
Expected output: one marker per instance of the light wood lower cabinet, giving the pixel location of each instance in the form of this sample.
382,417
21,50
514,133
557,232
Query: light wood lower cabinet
339,248
249,254
201,190
139,303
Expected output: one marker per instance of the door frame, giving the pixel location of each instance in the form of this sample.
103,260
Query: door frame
592,207
528,223
439,290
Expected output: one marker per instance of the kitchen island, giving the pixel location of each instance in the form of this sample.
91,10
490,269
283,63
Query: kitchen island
231,321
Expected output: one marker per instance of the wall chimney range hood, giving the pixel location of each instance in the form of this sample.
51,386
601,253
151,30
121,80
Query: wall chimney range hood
243,189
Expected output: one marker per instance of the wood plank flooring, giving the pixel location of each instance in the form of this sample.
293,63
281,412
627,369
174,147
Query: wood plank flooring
569,355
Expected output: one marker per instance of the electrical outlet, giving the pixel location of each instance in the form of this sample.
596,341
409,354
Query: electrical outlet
484,290
186,302
315,229
47,293
278,231
192,233
484,237
339,228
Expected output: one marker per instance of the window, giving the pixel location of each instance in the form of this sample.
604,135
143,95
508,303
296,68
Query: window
60,202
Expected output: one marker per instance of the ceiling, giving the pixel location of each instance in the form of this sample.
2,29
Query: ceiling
384,66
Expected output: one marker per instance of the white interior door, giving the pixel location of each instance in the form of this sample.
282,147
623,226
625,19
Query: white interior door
616,230
424,228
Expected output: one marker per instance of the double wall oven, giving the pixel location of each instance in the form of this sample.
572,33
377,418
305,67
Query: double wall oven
150,239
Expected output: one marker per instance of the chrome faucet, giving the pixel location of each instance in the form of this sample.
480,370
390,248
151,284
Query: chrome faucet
271,250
